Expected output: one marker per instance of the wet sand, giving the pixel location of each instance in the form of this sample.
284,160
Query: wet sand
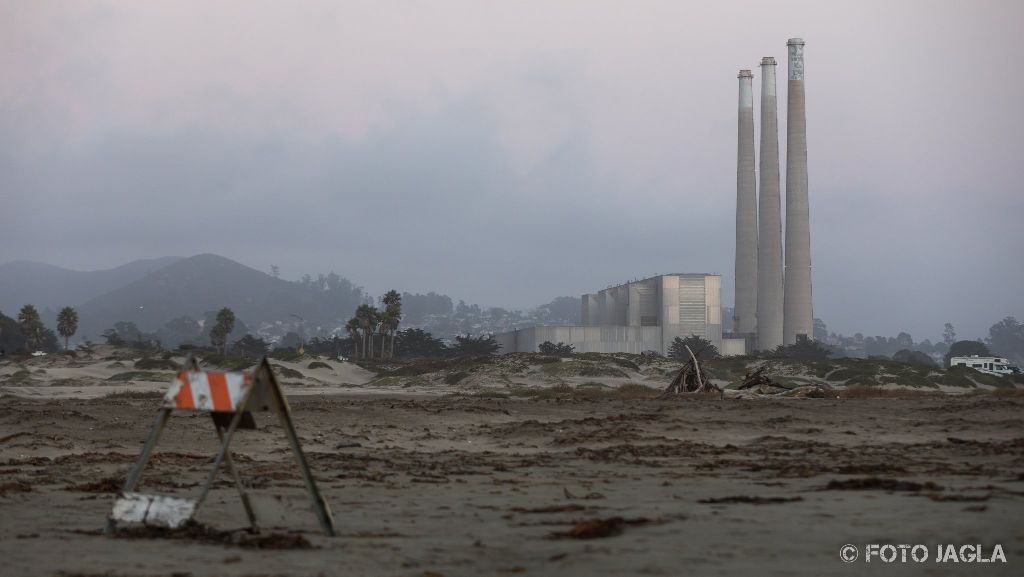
473,486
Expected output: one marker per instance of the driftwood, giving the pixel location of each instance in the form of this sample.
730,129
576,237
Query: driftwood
691,378
757,382
757,379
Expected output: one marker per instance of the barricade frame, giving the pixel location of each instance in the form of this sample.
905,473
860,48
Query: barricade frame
265,386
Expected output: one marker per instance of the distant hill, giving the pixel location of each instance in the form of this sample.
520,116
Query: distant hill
157,293
48,286
195,285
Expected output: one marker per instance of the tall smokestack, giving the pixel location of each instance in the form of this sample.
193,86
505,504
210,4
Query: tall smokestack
798,319
745,311
769,246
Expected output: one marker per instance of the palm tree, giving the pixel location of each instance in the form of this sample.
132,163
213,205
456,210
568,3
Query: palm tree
67,324
392,315
219,333
352,327
388,325
377,326
367,316
31,326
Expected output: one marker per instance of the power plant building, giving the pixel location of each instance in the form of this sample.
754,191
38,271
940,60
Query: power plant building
638,316
773,283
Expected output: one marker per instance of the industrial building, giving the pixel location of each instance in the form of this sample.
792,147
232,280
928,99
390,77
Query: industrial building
773,283
638,316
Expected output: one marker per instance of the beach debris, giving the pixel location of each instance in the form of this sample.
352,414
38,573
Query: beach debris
15,487
108,485
592,495
592,529
809,392
599,528
879,483
751,500
154,510
961,498
758,380
691,378
549,509
192,531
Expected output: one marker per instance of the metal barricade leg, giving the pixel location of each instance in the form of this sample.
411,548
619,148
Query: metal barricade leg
136,472
249,512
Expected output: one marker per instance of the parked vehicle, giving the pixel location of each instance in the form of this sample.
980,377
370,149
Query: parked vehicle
990,365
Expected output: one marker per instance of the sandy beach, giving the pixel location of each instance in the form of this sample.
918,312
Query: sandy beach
428,485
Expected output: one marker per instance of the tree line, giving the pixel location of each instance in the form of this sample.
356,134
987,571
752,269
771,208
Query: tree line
1005,339
369,321
28,334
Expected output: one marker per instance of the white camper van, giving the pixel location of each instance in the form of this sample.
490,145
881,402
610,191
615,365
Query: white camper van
991,365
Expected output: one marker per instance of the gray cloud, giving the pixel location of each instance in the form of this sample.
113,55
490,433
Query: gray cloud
509,154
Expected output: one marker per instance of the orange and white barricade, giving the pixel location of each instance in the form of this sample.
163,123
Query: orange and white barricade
230,398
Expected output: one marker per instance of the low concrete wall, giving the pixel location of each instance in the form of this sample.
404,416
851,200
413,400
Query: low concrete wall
603,339
594,339
733,347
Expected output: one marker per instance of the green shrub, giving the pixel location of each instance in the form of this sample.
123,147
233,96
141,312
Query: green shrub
227,363
581,369
613,358
454,378
151,364
286,354
543,359
287,373
557,349
598,371
21,376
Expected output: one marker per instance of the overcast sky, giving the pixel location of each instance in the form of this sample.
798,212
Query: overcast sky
507,153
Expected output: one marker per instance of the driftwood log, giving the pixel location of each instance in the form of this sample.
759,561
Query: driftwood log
691,378
757,379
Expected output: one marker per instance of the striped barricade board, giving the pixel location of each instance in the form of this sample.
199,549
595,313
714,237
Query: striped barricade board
208,391
229,397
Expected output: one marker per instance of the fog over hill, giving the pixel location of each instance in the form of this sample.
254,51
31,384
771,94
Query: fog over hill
47,286
164,298
196,285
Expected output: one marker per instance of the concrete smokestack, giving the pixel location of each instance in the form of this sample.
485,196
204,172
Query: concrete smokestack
745,311
769,246
798,317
